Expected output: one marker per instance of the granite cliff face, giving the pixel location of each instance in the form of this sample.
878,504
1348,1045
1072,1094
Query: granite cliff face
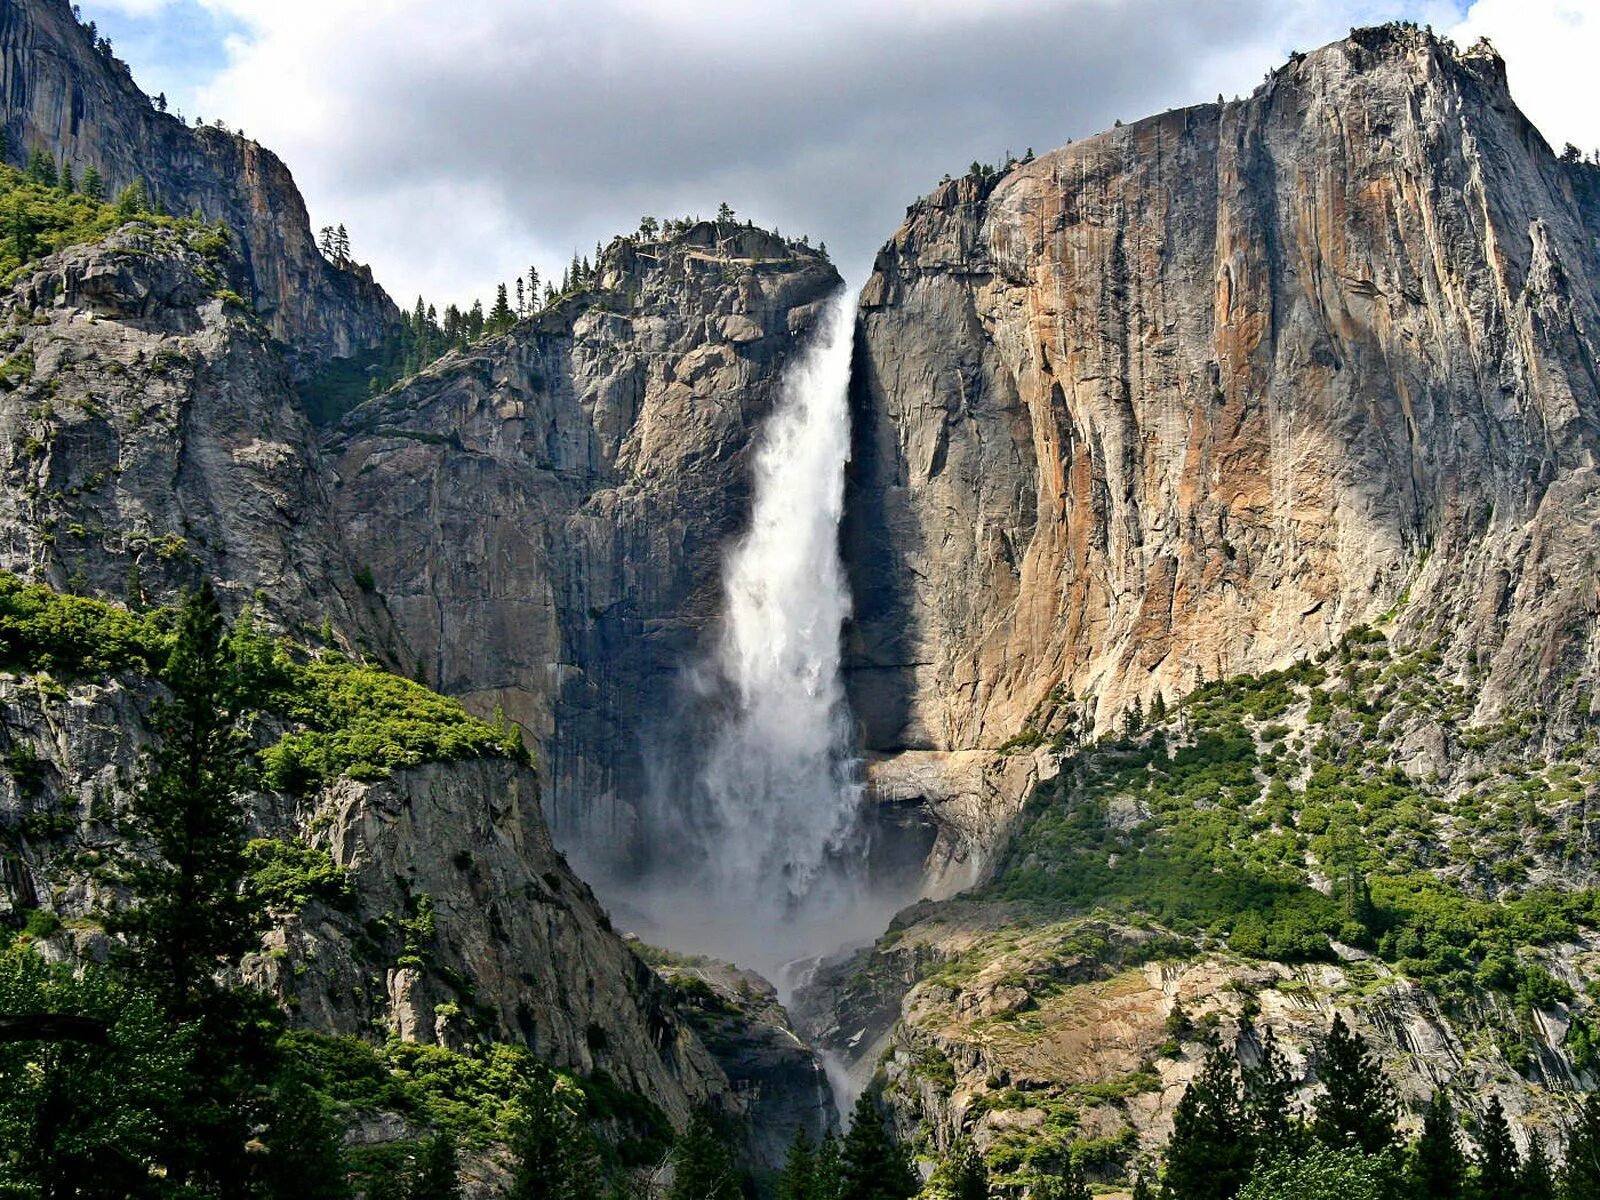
59,93
545,514
1196,395
148,432
149,435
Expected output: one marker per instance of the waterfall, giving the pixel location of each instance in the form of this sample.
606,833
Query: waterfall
779,781
755,816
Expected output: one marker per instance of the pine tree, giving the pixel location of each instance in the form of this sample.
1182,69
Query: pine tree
42,168
1538,1180
799,1178
64,180
702,1166
20,234
1210,1154
474,322
501,317
1271,1115
961,1174
553,1155
1357,1107
1580,1179
190,912
437,1172
341,243
874,1165
829,1178
522,299
93,186
533,288
131,201
1438,1169
1499,1167
724,212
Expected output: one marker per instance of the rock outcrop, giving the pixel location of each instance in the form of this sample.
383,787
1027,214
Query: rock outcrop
61,93
1196,395
1044,1039
545,514
777,1075
148,433
514,946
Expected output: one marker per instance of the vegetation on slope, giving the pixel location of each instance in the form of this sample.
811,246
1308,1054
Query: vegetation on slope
1217,820
339,717
170,1080
44,208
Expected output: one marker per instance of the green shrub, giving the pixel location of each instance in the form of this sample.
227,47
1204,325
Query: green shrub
286,877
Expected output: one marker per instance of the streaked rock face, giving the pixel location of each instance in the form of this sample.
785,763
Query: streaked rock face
545,515
58,93
1196,395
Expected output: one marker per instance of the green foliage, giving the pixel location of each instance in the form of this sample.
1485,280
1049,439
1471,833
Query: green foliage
1538,1178
1499,1168
702,1164
1324,1174
875,1167
41,214
1580,1178
363,722
1356,1108
285,877
45,630
1214,821
554,1155
78,1119
1210,1152
960,1175
348,718
1437,1169
190,909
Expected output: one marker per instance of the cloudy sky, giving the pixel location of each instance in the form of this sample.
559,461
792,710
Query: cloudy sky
462,142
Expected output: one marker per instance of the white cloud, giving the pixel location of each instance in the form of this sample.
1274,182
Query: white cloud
1551,48
461,142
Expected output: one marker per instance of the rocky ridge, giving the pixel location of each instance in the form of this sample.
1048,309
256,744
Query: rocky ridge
60,93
